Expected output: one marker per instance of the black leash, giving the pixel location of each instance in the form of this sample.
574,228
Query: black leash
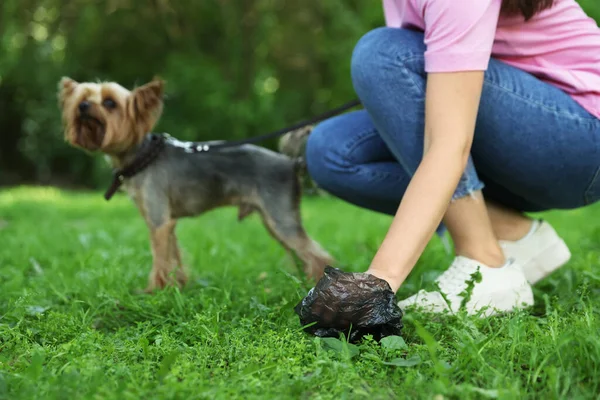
202,146
151,150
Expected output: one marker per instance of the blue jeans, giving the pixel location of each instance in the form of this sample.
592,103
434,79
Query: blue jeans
534,147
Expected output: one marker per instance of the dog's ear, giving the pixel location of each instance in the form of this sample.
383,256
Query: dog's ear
145,105
66,87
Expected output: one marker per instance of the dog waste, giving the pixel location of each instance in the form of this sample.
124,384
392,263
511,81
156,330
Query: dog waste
355,304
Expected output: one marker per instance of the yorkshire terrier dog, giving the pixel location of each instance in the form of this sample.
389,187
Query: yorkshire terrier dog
173,179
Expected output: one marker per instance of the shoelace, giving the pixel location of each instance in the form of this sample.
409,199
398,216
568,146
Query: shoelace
455,276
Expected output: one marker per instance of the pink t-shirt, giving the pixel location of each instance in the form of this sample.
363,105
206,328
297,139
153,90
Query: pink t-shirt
560,45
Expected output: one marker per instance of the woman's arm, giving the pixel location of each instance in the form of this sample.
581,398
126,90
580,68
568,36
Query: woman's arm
452,103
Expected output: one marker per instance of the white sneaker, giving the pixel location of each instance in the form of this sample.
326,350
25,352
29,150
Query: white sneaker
499,289
539,253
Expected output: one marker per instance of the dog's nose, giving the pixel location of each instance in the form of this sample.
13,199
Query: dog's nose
84,106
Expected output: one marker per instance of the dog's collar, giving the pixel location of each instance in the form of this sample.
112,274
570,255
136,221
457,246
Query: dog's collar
148,152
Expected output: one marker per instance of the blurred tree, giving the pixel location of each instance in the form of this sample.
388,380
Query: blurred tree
234,68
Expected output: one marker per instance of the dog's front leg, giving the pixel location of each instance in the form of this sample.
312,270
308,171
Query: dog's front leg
153,204
164,251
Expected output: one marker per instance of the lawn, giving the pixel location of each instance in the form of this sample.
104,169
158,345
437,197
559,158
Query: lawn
72,325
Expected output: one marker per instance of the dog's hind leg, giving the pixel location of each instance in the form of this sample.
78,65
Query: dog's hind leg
281,215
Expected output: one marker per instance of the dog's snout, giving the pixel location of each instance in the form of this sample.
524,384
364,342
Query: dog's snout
84,106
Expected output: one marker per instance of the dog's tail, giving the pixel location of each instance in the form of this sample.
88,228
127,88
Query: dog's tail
293,145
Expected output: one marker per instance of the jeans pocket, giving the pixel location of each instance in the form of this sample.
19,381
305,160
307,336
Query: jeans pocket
592,193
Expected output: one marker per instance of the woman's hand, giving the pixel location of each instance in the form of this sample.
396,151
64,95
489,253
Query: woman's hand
452,103
336,305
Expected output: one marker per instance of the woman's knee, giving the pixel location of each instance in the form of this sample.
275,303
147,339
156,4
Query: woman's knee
336,146
380,49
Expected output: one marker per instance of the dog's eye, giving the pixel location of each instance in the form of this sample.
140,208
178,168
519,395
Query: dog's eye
109,103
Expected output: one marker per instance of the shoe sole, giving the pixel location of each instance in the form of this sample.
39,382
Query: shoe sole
548,261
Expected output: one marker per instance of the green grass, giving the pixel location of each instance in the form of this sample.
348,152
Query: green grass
72,325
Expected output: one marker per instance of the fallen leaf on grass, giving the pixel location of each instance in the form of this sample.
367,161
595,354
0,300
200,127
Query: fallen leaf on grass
340,347
393,343
396,362
166,364
404,362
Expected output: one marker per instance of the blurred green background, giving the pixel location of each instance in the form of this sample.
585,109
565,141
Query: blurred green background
234,68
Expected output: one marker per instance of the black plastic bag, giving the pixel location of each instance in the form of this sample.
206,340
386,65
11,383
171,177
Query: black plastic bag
355,304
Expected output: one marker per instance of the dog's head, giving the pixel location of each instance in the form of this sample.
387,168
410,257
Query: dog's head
106,116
